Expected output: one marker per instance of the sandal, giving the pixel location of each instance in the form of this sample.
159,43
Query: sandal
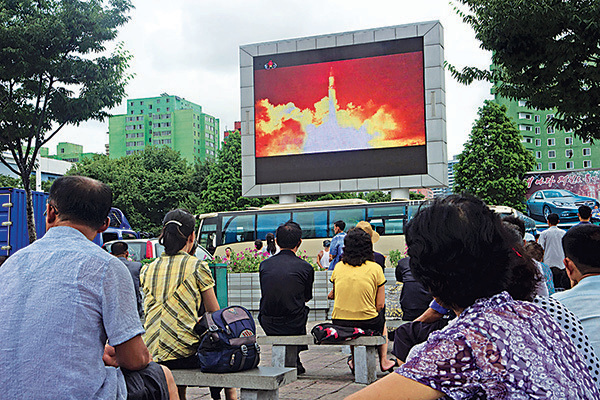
391,369
350,360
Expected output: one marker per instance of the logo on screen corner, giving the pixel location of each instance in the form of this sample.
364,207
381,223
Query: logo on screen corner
270,65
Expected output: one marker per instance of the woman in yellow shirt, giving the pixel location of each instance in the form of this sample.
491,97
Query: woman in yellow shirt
359,291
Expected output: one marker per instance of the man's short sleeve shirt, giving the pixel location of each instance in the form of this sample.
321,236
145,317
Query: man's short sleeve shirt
336,249
62,298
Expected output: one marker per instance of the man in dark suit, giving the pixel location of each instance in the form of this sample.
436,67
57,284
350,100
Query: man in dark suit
286,285
121,251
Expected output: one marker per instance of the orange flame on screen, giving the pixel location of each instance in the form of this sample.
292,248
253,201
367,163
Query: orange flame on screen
282,129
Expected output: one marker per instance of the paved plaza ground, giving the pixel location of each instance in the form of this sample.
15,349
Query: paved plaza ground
327,375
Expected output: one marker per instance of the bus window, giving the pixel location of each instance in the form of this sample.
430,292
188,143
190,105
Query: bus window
208,234
393,226
351,216
389,211
238,228
266,223
313,223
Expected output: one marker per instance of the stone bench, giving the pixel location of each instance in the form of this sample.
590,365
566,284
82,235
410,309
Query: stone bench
260,383
285,352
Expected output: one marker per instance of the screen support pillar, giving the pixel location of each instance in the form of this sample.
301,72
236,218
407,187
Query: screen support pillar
400,194
287,199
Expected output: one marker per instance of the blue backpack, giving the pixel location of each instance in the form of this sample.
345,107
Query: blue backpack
227,340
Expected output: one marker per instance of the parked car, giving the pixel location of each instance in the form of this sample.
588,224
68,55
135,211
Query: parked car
562,202
140,249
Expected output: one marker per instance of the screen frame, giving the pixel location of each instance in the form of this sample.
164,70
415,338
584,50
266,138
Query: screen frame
434,151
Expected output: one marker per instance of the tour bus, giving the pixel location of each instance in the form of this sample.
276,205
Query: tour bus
239,229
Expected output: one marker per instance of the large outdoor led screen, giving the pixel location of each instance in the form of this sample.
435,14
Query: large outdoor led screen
339,112
330,110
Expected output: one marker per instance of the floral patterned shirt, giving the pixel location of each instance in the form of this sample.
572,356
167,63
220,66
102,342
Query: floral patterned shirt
500,348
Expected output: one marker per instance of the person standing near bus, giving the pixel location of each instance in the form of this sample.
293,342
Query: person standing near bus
323,256
337,244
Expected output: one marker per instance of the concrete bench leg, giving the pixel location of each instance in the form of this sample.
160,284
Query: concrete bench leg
365,364
284,356
250,394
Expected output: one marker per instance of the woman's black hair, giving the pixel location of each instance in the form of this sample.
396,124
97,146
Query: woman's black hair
258,244
271,248
358,247
178,225
460,251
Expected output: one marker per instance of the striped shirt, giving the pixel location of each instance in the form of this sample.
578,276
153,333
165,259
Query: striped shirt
172,288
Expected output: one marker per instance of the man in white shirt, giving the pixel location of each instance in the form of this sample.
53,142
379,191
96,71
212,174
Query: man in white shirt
550,239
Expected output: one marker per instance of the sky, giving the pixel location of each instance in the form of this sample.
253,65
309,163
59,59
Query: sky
190,48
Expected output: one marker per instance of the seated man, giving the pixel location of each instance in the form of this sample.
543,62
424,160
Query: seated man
63,298
286,283
581,244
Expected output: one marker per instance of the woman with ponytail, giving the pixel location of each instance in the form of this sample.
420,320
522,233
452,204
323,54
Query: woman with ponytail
176,287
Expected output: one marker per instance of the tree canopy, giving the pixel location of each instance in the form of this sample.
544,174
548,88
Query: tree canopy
146,185
493,164
53,73
222,183
545,52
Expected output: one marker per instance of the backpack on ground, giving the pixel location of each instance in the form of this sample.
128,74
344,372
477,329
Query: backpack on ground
330,333
227,340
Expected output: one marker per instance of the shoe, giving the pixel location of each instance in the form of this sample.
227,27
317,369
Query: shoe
300,368
391,369
350,365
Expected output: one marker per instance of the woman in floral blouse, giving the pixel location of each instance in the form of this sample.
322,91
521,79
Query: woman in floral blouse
497,347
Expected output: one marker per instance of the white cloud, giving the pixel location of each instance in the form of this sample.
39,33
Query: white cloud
190,48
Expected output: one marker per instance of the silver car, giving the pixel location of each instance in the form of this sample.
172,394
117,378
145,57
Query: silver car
140,249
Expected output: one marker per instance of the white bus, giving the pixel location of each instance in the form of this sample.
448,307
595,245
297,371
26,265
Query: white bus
239,229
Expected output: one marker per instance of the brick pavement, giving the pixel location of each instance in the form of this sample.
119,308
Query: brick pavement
327,375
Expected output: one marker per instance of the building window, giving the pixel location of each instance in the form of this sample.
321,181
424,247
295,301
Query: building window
527,128
538,154
549,117
141,103
524,115
551,154
587,151
168,109
167,100
550,130
150,106
538,130
568,153
552,165
537,118
522,103
568,141
538,142
551,142
585,141
587,164
570,165
538,166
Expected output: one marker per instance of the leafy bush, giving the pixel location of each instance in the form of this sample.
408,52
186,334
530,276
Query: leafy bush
395,256
249,260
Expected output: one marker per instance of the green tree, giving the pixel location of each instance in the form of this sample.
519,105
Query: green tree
223,181
9,181
146,185
493,164
52,74
544,51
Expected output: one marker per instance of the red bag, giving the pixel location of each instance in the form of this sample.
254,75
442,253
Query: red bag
330,333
